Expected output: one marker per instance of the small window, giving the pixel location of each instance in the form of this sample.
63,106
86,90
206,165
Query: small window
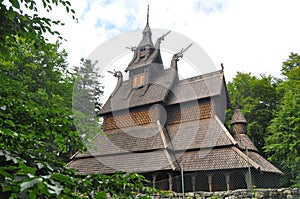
138,81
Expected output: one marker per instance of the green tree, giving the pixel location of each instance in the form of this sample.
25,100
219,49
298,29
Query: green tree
21,18
36,124
88,86
283,140
36,127
258,99
86,100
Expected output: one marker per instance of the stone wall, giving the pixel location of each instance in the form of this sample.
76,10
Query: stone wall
283,193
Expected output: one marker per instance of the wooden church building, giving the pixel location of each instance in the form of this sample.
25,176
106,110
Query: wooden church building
158,125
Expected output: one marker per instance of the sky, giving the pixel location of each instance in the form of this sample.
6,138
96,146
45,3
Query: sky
245,35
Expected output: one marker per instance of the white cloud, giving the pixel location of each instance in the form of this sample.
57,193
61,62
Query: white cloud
246,35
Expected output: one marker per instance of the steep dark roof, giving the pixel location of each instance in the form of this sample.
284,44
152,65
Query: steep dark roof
206,133
126,97
198,87
201,144
244,142
166,89
147,34
238,117
211,159
147,37
223,158
195,160
264,164
133,139
131,162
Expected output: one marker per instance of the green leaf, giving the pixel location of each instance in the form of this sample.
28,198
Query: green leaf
60,177
10,123
11,14
29,184
26,169
54,189
143,197
5,174
101,195
15,3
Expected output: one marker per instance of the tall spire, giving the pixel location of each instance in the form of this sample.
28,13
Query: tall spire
148,15
147,34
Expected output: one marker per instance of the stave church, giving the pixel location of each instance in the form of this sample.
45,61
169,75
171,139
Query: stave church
161,126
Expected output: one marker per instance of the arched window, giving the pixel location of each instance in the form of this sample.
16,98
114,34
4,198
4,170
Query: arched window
162,182
219,182
188,185
201,182
149,178
237,181
177,183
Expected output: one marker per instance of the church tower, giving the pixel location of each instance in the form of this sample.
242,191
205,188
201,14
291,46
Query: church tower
238,122
146,61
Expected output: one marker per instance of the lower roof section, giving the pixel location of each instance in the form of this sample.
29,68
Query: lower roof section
224,158
211,159
265,165
159,160
127,162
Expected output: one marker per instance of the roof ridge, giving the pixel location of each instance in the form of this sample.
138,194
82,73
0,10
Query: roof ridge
202,77
242,142
225,130
170,156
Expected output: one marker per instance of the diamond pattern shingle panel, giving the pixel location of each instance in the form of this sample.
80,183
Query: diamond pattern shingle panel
214,159
198,134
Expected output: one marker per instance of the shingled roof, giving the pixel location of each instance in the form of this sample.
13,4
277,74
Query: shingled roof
199,87
130,139
165,89
126,97
238,117
223,158
244,142
206,133
129,162
198,145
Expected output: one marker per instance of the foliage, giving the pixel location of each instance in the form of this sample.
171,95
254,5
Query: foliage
283,140
258,99
120,185
87,91
88,86
37,131
272,108
21,18
36,127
